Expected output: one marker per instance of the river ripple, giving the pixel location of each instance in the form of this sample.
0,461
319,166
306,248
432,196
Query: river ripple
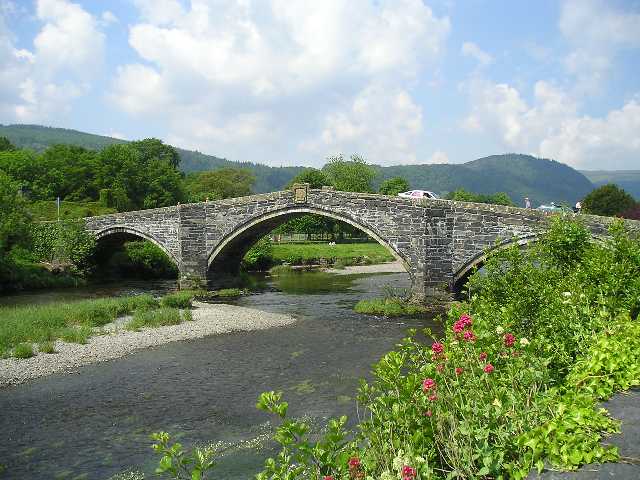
96,423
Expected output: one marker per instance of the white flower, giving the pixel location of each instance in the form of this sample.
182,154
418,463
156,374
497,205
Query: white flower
499,330
566,294
524,342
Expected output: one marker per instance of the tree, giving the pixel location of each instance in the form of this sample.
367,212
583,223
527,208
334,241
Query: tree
393,186
353,175
314,177
608,200
151,148
462,195
219,184
14,218
6,145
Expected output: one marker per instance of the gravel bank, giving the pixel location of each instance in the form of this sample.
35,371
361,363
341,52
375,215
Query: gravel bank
389,267
208,319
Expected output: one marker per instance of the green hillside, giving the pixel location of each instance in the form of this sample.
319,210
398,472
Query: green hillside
518,175
627,179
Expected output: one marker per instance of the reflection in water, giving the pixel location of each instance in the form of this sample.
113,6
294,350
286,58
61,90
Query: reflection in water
97,423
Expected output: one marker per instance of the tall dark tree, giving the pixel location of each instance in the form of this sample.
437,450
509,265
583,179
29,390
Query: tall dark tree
219,184
6,145
151,148
608,200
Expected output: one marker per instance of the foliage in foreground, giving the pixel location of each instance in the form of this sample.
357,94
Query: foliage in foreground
513,384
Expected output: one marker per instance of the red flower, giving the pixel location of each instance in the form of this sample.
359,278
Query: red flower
458,327
408,472
465,320
469,336
509,340
458,370
354,462
428,413
437,348
327,477
440,367
488,368
428,384
433,397
483,356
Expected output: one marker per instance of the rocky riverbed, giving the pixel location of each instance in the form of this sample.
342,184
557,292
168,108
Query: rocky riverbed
114,341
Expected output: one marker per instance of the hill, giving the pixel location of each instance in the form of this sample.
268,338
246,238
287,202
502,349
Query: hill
518,175
627,179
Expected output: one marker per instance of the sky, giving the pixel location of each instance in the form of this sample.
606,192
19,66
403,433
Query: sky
291,82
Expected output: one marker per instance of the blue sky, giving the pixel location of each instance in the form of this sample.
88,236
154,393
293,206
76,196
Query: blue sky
288,82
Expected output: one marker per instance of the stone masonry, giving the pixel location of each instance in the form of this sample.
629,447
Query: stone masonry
438,241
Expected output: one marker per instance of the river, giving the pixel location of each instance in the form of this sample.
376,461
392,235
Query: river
96,423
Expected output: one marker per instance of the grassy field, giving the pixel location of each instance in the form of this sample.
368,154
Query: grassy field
341,253
389,307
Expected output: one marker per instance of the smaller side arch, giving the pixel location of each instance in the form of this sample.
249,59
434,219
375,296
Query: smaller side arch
133,231
478,260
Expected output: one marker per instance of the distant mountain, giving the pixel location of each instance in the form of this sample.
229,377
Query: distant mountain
627,179
518,175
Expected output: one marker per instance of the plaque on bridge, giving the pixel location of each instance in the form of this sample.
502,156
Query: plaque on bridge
300,192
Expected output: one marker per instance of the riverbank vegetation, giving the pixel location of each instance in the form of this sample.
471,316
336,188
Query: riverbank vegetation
76,321
513,385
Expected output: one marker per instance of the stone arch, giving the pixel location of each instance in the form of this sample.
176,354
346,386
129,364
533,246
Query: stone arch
138,233
228,252
463,273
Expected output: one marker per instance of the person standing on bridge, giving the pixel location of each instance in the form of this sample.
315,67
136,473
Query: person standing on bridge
527,202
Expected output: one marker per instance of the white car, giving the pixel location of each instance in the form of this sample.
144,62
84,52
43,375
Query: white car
418,194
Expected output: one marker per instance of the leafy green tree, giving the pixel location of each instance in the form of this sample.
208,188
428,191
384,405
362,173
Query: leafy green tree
462,195
393,186
608,200
6,145
151,148
14,218
353,175
219,184
314,177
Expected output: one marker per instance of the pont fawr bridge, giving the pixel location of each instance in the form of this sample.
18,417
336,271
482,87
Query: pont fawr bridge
438,241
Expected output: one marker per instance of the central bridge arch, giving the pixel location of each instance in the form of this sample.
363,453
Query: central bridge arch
226,256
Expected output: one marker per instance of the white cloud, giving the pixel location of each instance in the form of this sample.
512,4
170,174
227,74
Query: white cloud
381,123
470,49
114,134
221,64
552,127
41,84
596,32
108,17
438,157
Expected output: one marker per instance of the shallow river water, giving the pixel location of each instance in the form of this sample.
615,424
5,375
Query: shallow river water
96,423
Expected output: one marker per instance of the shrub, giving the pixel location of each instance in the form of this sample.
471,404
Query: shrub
180,299
47,347
228,292
23,350
259,256
154,318
390,307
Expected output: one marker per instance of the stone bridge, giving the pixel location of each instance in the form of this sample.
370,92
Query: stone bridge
438,241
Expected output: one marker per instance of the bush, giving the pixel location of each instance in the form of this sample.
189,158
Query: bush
180,299
259,256
389,307
23,350
47,347
154,318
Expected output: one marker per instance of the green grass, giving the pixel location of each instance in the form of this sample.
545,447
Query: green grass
47,347
228,292
281,270
180,299
342,253
155,318
71,321
23,350
389,307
